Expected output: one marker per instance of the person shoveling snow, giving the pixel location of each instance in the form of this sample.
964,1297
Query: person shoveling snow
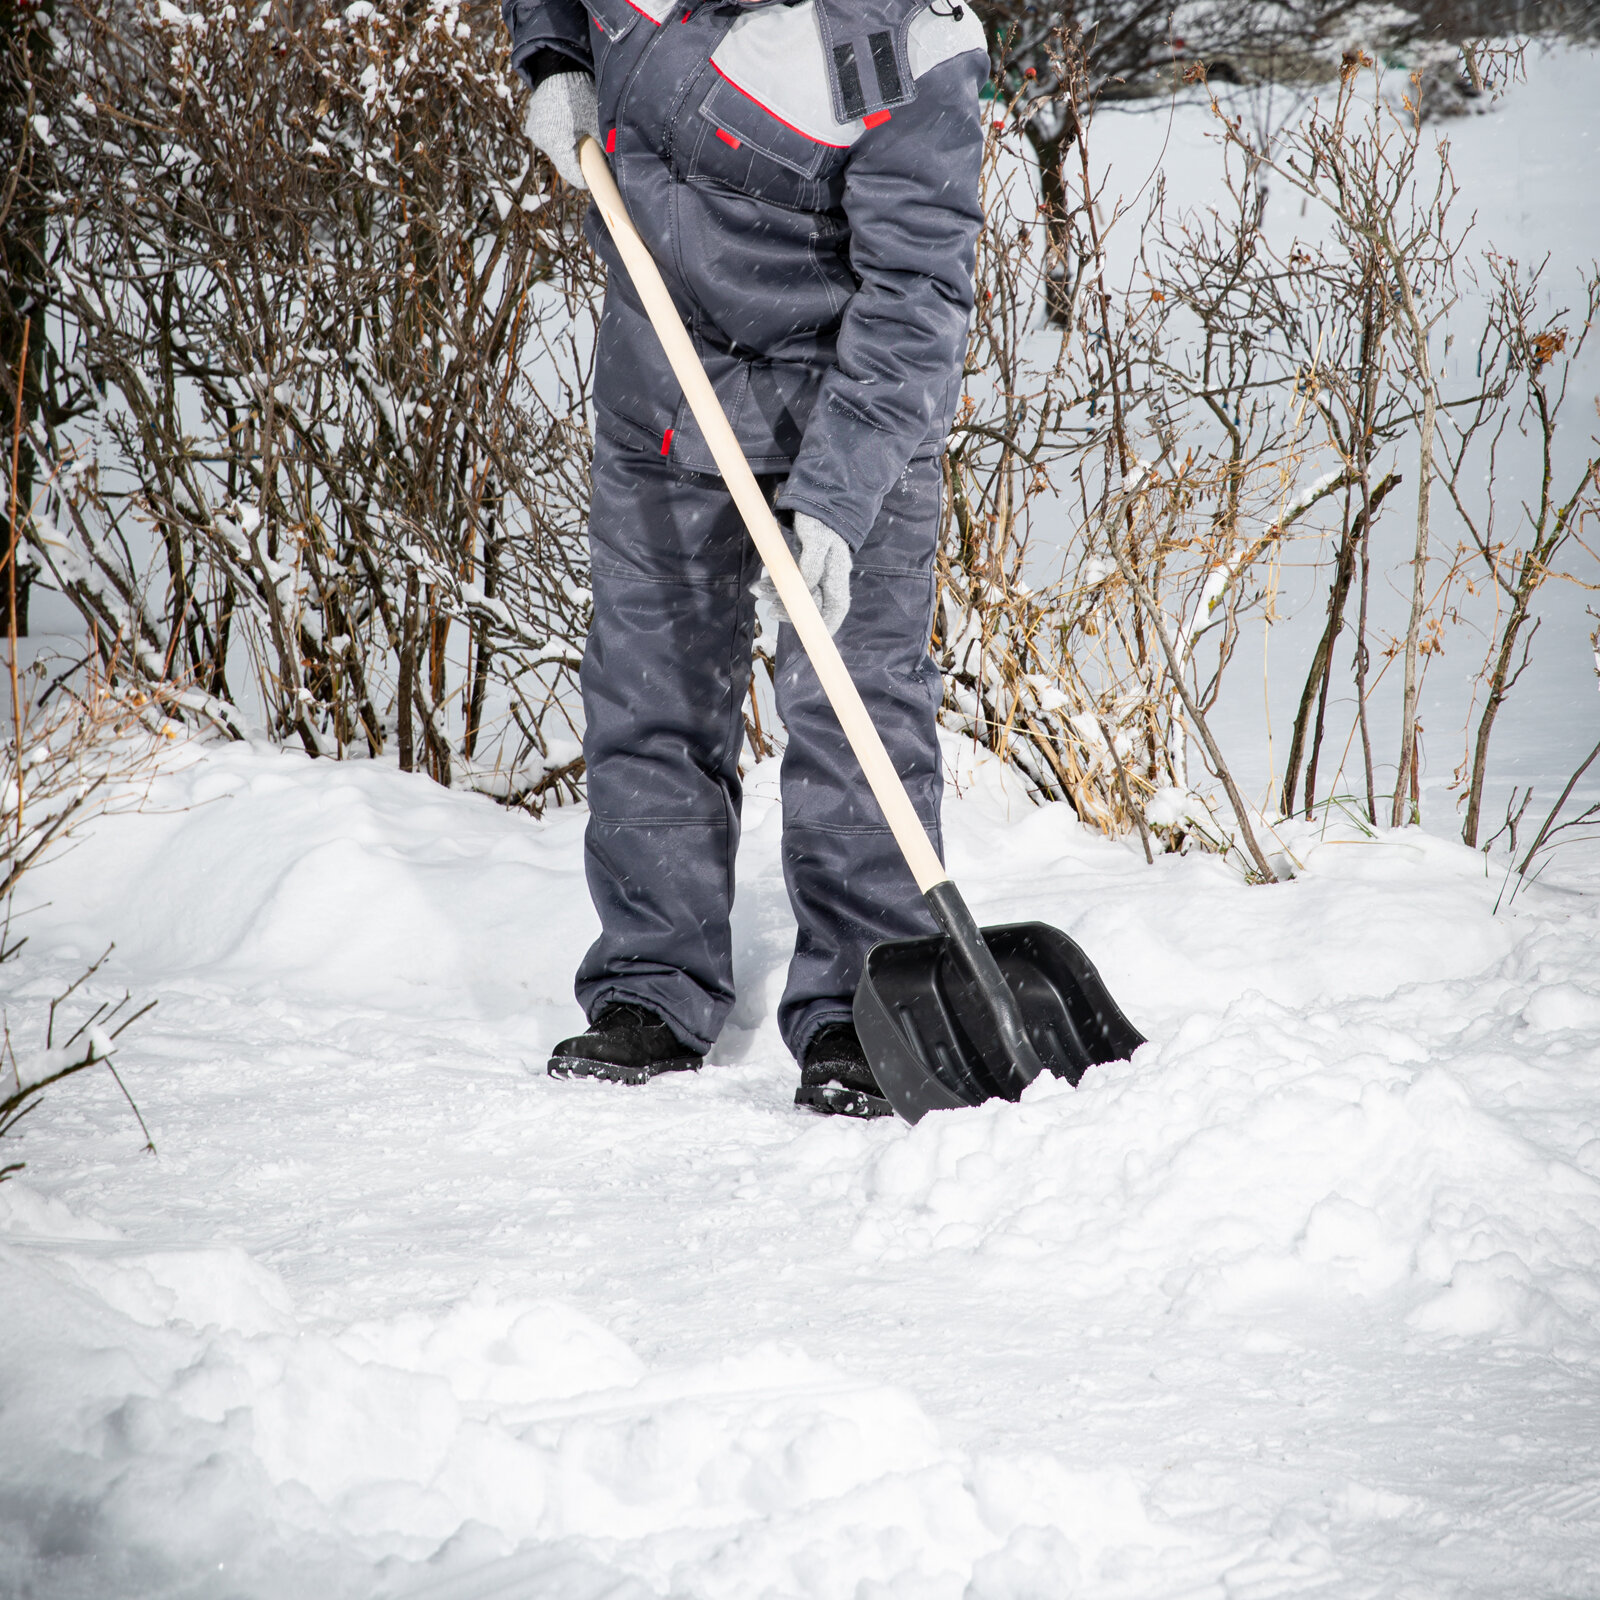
805,183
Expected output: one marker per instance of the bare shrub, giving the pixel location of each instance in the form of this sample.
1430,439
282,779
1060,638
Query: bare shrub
1139,412
313,409
1394,254
1178,431
1531,352
1365,313
329,330
26,1075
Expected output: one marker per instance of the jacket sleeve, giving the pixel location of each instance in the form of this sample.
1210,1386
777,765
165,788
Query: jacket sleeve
557,27
911,200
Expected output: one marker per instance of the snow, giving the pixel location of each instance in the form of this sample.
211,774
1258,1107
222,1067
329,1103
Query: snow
1302,1299
1305,1299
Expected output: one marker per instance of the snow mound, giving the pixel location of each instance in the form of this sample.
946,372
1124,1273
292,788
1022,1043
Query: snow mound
1328,1167
1311,1282
175,1427
244,875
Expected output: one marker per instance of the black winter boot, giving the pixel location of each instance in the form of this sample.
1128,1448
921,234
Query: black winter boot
835,1079
626,1044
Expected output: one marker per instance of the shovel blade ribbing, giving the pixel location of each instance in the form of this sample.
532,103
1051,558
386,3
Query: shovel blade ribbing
931,1039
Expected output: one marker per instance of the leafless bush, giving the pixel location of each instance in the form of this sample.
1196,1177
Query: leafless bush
1531,352
87,749
1235,395
1525,862
312,416
316,419
78,749
1376,299
77,746
1394,255
26,1075
1141,412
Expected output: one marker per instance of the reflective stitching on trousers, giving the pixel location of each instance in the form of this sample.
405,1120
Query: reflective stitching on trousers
659,822
793,825
605,569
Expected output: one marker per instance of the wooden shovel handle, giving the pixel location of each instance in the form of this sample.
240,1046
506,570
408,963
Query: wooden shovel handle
841,691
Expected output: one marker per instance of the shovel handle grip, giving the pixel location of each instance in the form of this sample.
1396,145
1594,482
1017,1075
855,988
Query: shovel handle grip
843,696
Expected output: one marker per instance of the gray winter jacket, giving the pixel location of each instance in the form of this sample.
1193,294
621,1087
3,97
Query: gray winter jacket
806,176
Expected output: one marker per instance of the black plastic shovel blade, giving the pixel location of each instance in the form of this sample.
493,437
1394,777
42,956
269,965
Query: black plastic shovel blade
931,1038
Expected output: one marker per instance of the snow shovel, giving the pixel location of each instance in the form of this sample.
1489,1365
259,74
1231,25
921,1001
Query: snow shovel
959,1017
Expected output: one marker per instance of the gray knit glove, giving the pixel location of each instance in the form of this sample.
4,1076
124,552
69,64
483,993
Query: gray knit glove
560,110
824,560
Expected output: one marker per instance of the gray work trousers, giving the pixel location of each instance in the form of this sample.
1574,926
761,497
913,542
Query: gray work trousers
664,678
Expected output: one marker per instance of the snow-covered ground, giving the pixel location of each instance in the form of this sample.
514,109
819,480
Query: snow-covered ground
1303,1300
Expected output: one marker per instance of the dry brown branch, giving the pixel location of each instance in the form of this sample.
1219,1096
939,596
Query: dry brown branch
340,327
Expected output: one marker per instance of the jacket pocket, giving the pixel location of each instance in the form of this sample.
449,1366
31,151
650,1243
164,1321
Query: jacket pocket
743,124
